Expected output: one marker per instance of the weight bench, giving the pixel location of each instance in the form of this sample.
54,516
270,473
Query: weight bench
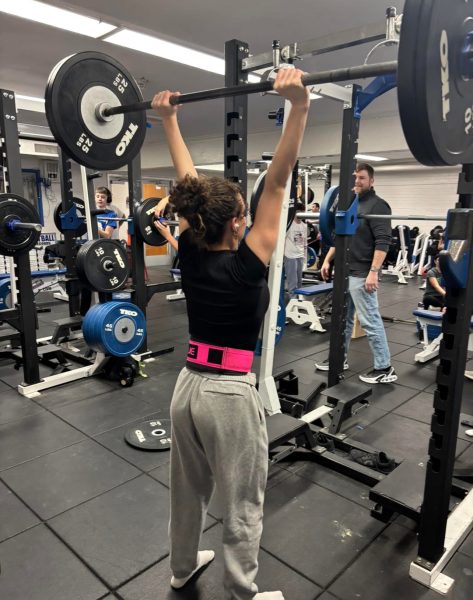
301,310
430,323
53,285
179,295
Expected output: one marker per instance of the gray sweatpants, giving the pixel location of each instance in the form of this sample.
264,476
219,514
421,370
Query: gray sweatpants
218,438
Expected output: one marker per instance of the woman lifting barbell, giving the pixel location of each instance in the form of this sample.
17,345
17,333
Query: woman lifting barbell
218,428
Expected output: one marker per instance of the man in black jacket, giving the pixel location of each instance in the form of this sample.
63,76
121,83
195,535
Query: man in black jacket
367,252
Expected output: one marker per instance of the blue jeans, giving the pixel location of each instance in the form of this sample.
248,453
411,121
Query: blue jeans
367,310
293,270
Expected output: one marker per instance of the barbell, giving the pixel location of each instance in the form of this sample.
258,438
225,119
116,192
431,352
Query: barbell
334,222
97,115
74,220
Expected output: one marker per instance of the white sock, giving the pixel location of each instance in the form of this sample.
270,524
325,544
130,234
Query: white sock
269,596
203,558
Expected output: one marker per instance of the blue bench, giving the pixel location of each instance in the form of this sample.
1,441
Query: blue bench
34,274
429,322
302,311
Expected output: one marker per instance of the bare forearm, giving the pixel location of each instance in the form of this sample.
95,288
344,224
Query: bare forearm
288,147
330,254
437,287
378,259
180,154
174,243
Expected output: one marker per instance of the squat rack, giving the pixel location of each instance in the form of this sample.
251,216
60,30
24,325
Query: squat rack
440,533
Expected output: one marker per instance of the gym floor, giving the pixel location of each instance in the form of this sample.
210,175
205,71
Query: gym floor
85,516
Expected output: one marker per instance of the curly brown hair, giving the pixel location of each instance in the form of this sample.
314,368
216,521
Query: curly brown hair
207,203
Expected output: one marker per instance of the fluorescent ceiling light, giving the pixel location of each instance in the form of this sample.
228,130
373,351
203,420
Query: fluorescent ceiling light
370,157
56,17
157,47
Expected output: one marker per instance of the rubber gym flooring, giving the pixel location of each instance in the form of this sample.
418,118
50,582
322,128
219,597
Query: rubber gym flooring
84,516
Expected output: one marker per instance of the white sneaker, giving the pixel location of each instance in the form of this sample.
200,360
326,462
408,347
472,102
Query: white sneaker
203,558
324,366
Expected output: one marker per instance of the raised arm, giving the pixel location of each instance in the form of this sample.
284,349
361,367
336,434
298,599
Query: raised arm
264,232
180,154
181,157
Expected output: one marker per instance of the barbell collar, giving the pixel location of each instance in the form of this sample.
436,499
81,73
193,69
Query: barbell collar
334,75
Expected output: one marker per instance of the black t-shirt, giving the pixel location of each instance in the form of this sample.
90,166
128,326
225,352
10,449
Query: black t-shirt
226,294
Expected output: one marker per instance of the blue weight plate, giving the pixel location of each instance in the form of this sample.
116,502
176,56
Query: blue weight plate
123,328
92,325
311,256
5,294
98,319
328,209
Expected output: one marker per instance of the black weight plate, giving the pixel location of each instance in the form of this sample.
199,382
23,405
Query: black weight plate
434,88
150,435
256,195
76,86
14,207
80,209
103,265
143,218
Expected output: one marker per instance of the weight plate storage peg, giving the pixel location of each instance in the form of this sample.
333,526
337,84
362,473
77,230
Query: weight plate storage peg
79,88
150,435
15,211
435,75
115,328
80,210
103,264
143,218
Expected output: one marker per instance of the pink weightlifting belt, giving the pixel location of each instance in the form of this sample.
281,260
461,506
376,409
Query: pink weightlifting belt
217,357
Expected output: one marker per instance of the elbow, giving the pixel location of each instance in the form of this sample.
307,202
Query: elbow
382,245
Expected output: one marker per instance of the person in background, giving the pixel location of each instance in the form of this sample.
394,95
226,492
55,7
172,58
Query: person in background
218,432
120,214
103,198
295,252
434,293
368,249
313,239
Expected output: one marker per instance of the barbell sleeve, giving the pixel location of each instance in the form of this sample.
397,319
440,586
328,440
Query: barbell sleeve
15,224
334,75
